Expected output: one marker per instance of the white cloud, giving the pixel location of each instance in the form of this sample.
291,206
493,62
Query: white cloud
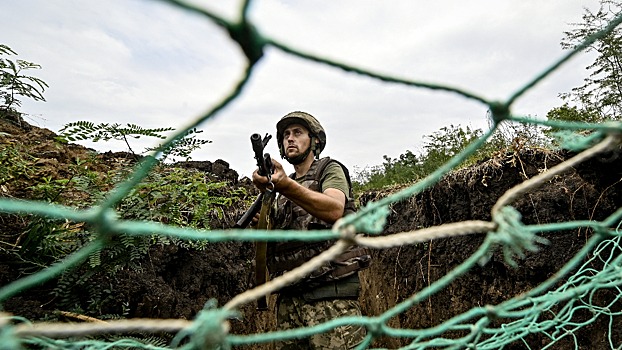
149,63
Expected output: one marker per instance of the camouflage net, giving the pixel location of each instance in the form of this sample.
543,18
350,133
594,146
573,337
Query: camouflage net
478,326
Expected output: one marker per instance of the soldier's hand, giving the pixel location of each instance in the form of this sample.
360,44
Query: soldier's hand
255,220
278,177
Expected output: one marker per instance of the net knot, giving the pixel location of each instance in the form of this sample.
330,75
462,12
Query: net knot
107,218
373,220
347,233
209,330
375,328
499,111
491,312
513,236
249,39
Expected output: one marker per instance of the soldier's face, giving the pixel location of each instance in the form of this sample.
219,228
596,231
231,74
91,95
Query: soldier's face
296,140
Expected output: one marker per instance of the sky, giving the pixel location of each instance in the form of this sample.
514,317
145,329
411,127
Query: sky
149,63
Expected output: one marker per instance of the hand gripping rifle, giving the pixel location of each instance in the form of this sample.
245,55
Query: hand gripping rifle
262,204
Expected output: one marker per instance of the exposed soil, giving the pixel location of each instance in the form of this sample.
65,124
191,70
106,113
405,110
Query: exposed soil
591,191
176,282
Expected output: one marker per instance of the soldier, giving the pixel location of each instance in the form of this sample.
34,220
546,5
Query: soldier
314,197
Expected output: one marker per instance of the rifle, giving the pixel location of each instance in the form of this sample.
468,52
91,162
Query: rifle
264,162
262,204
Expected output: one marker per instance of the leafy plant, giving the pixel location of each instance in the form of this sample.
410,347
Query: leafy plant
14,83
14,164
179,197
50,189
442,145
600,97
409,167
85,130
169,195
182,147
393,171
446,143
46,241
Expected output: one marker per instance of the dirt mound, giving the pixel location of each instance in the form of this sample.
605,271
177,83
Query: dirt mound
592,191
176,281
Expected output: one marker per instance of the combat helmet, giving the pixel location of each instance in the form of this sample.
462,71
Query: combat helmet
316,132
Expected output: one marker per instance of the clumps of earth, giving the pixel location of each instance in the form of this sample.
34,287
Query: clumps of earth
177,281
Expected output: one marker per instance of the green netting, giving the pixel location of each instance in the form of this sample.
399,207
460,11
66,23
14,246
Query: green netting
579,282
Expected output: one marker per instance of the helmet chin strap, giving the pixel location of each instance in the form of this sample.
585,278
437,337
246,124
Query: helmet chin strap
301,157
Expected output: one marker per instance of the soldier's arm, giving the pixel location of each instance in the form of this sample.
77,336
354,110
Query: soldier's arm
327,206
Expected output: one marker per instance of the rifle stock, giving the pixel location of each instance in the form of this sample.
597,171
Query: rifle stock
261,249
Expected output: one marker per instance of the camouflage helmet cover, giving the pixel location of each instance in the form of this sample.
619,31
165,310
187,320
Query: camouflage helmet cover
308,121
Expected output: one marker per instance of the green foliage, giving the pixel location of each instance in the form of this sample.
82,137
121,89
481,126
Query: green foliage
50,189
393,171
146,341
168,195
446,143
14,164
84,130
171,196
123,251
182,147
571,114
600,97
513,136
14,82
73,289
179,197
442,145
80,188
38,242
46,241
174,196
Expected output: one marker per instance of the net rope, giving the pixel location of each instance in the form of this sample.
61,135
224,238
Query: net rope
577,280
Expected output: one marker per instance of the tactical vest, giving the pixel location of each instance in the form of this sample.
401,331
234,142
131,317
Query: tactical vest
285,256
